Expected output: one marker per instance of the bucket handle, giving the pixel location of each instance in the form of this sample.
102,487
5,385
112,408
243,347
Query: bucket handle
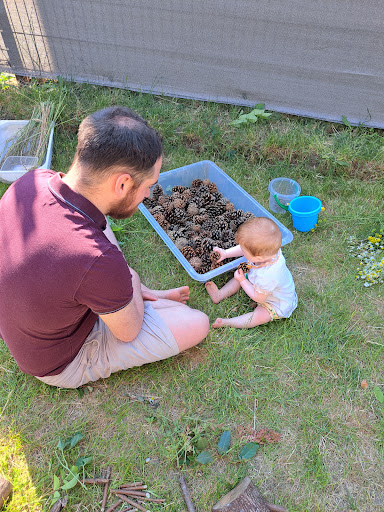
281,205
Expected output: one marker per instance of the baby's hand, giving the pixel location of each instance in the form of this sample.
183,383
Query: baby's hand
222,253
239,275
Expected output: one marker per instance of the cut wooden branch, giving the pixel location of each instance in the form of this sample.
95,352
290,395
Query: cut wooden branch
133,487
59,504
128,492
105,495
132,484
186,495
5,490
245,497
132,502
97,481
115,505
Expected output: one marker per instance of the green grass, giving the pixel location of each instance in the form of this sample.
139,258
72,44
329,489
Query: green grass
300,377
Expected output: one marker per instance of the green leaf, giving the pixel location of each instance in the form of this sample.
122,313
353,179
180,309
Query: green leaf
75,439
56,483
62,444
224,442
249,451
378,394
260,105
70,442
201,444
83,461
56,496
204,458
70,484
346,122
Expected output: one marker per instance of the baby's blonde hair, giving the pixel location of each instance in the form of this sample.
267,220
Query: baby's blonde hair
259,236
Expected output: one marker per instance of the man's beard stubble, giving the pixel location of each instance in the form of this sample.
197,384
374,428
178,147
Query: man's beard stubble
124,208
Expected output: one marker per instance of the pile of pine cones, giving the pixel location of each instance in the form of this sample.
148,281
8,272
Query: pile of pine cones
196,219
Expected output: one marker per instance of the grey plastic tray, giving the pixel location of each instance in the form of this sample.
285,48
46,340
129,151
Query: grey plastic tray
229,188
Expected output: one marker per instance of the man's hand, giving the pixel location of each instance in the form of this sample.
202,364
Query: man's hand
147,295
239,275
222,252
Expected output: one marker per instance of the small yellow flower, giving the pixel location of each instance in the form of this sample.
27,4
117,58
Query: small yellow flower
322,208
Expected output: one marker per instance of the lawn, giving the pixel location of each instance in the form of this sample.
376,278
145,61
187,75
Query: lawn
300,377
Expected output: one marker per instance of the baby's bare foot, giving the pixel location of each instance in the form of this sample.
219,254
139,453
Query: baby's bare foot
219,322
213,291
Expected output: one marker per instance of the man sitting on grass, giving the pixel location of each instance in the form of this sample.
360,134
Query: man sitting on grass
71,309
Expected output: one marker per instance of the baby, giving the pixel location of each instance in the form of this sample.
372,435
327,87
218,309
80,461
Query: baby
268,281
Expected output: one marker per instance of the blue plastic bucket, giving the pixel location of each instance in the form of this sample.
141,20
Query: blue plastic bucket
305,211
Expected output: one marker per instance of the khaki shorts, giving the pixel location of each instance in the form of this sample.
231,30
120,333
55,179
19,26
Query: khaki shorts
103,353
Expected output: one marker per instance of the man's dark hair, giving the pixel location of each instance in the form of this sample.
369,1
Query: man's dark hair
116,136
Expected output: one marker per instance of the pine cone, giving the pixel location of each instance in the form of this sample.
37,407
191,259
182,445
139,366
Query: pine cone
221,224
208,225
205,198
212,187
159,217
204,269
149,202
196,183
204,190
213,210
163,200
157,191
226,235
179,202
188,252
199,219
178,188
176,195
192,209
229,207
216,264
187,194
157,209
214,256
196,262
181,242
244,266
206,182
207,244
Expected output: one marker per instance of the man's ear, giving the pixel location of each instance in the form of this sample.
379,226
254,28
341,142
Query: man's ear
122,184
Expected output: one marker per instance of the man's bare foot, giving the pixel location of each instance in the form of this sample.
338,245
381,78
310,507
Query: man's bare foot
180,294
221,322
213,291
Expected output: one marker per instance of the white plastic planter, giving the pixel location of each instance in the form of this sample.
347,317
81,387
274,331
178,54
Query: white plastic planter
12,170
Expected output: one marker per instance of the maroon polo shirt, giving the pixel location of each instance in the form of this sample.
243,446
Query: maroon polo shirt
58,272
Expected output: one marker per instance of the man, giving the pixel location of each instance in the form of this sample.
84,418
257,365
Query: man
71,310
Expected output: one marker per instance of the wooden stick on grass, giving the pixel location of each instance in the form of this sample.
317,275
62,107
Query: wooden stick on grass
108,475
133,503
186,495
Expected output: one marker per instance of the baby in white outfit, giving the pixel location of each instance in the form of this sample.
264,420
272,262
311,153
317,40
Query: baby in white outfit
267,281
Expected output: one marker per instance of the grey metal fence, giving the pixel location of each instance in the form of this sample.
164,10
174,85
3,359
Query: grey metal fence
317,58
